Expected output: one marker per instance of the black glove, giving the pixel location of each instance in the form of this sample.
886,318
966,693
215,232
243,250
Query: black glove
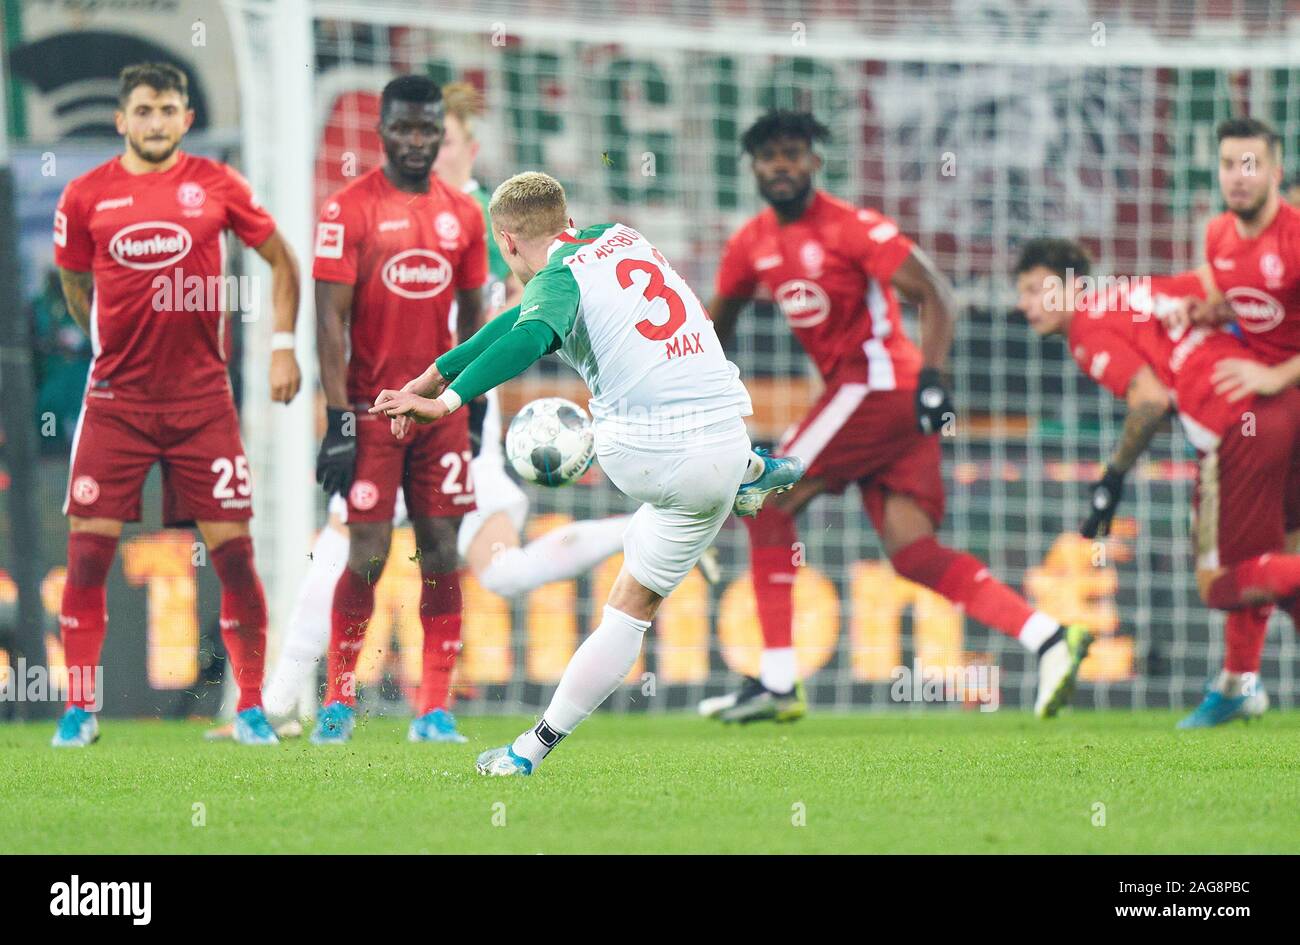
336,462
477,414
933,405
1106,493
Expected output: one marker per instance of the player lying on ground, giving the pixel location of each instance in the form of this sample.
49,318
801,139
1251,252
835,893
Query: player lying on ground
1248,481
667,407
833,270
142,234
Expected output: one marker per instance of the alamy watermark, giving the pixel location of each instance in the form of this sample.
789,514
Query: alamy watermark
23,683
976,683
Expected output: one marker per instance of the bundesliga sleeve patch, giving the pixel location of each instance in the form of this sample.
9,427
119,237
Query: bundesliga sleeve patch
329,240
60,228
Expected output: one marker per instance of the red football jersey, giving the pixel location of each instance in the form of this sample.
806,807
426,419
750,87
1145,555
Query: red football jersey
829,273
406,254
1112,338
1260,278
155,245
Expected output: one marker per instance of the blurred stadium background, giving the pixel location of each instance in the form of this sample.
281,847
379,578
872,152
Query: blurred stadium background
975,123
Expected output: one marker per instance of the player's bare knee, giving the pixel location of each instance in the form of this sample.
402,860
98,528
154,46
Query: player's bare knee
436,540
109,527
368,548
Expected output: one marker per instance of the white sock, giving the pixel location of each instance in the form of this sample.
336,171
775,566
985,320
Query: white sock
777,670
308,636
756,467
595,671
1232,685
1038,629
561,554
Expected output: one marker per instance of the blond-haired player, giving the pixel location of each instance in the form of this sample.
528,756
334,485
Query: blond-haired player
489,537
667,405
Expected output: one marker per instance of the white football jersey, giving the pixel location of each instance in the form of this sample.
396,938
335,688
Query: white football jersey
636,333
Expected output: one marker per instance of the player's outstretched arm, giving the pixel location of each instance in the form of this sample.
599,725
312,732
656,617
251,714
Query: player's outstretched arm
451,363
78,288
286,378
1148,405
724,312
919,281
507,358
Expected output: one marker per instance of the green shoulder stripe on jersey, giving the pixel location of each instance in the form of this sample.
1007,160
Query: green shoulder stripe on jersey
553,296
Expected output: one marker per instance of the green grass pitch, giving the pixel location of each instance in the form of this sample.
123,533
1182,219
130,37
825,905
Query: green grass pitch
937,782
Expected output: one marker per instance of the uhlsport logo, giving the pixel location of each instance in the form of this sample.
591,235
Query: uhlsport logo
150,245
1256,311
803,303
417,274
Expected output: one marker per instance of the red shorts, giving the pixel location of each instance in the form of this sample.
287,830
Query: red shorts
431,465
1248,489
872,439
205,472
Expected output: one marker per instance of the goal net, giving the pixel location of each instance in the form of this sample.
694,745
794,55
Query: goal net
976,125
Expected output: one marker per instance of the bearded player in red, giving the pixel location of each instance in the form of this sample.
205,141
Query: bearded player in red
1252,265
393,250
832,270
1244,496
139,245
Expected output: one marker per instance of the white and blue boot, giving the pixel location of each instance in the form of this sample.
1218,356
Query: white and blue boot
251,727
77,728
334,724
502,763
438,725
779,475
1250,702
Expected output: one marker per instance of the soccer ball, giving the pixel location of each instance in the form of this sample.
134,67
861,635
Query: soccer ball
551,442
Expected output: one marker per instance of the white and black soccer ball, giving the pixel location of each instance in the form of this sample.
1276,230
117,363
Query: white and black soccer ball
551,442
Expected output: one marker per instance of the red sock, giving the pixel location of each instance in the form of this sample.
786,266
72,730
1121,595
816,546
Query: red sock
354,602
966,581
440,614
1241,585
772,537
1244,637
243,617
83,618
